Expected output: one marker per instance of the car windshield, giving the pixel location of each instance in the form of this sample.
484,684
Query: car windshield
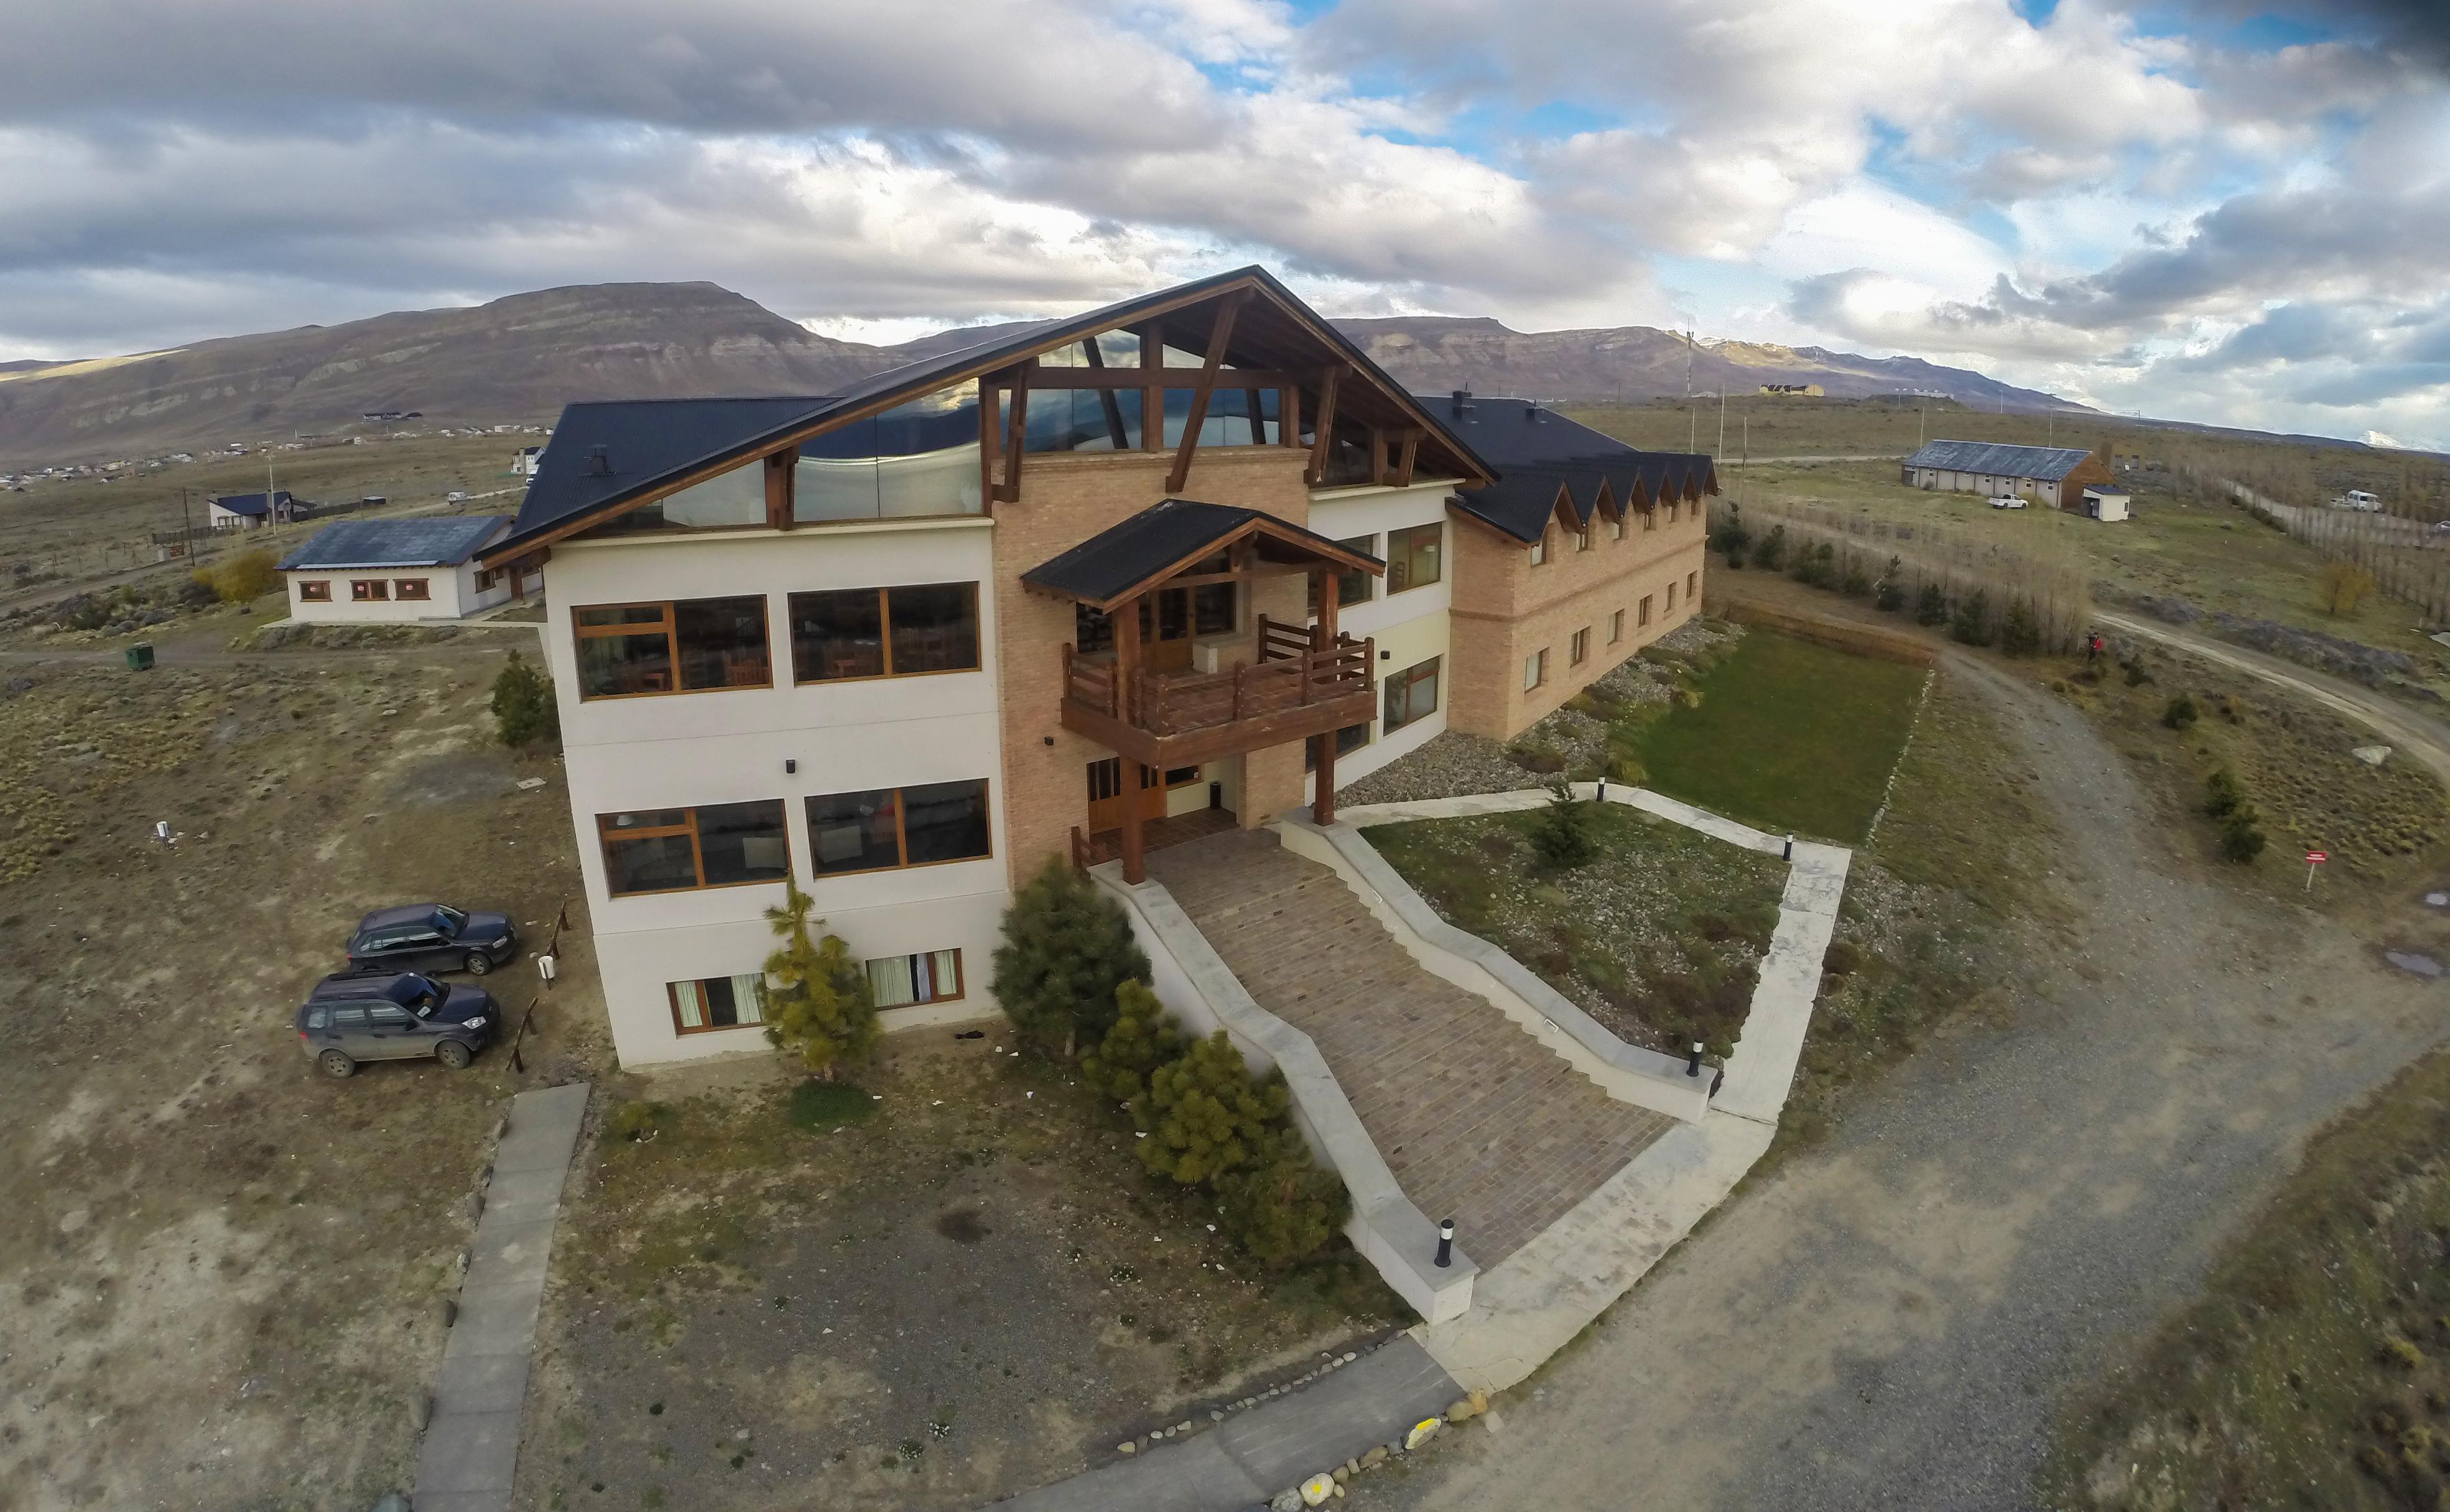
449,919
416,995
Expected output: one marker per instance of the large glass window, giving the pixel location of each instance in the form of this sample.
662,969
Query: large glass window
842,633
1348,740
1411,694
1355,586
1413,556
722,501
692,645
906,827
1212,609
897,981
713,845
918,459
717,1002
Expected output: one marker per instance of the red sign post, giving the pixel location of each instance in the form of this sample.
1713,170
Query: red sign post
2314,859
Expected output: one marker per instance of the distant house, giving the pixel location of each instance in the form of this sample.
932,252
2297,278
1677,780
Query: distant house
1792,391
248,511
2106,504
2056,475
401,570
523,461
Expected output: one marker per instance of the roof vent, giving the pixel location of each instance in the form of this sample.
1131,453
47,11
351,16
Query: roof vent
1462,401
600,461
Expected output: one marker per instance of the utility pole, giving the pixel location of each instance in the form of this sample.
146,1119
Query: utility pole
1922,423
1692,430
1721,455
187,532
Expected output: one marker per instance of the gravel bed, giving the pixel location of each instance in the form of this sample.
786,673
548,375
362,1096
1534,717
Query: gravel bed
1455,764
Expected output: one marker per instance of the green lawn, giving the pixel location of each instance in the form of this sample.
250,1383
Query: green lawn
1788,735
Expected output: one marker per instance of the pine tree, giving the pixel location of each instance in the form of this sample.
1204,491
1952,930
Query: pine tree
1286,1205
1144,1037
1931,607
1561,831
819,1004
1067,949
524,710
1206,1116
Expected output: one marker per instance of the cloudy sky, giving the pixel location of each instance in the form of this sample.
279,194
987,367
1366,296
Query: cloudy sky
2221,210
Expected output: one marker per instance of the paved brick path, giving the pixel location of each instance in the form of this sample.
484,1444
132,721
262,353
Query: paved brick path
1478,1121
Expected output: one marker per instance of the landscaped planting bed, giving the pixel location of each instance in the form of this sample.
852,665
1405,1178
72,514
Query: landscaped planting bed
1659,937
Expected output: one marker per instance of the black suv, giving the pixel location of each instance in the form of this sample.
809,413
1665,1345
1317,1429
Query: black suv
431,937
350,1017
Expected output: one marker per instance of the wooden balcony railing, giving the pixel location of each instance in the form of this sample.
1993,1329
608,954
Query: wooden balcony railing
1291,692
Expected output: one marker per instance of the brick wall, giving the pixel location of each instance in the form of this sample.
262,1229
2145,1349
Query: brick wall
1064,502
1505,609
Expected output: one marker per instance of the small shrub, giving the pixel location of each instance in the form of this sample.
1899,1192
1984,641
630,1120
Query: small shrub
1284,1205
1932,607
1971,624
2137,675
1536,756
1730,538
1713,927
242,578
2020,635
1206,1116
1067,948
826,1105
2396,1351
1842,958
1625,767
1890,597
1560,833
636,1121
2181,712
2222,794
1854,584
2241,836
1769,553
1145,1036
523,705
819,1004
2343,587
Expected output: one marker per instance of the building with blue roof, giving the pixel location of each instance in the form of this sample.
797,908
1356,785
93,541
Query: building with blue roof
401,570
2056,476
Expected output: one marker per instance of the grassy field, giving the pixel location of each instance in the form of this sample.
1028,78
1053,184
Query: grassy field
1656,937
2315,1370
1787,735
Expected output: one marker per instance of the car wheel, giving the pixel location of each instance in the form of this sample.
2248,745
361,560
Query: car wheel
479,963
455,1055
336,1065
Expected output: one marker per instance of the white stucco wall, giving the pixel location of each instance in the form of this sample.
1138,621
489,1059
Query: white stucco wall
730,746
1409,626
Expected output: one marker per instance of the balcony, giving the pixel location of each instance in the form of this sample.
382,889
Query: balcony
1295,689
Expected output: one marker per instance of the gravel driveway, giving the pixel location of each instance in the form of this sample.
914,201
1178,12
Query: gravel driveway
1889,1321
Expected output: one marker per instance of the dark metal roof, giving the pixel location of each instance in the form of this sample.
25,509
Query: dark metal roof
248,503
651,441
444,542
1538,453
1998,459
1126,557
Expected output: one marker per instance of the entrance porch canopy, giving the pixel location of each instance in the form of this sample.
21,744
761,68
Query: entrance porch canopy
1123,561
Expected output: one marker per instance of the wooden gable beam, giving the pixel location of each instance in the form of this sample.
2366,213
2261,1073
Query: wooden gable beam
1015,432
1106,397
1152,385
1218,335
1412,436
1324,433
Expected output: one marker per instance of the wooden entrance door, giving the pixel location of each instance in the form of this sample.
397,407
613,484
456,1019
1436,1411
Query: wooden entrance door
1106,797
1165,631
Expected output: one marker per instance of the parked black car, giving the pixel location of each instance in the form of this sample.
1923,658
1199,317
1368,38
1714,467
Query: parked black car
350,1017
431,937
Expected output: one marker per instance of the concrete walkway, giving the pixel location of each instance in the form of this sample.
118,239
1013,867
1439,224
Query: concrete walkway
472,1441
1254,1455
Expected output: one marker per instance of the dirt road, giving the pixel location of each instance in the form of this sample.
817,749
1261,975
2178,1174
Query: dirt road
1889,1320
2423,739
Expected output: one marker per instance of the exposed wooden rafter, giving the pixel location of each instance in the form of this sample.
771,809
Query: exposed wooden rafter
1218,336
1329,381
1105,396
1016,431
1411,453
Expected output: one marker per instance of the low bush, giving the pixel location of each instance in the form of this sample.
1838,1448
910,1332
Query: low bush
1536,756
1855,584
2020,635
635,1121
1143,1038
1560,832
2241,834
2180,712
1890,597
1283,1204
524,709
1729,538
239,578
2137,675
2222,794
1770,551
1932,607
1971,624
1842,958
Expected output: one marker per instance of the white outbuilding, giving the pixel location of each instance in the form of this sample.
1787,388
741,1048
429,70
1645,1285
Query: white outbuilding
397,572
2105,503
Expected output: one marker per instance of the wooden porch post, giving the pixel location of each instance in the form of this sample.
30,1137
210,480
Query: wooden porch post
1127,665
1322,802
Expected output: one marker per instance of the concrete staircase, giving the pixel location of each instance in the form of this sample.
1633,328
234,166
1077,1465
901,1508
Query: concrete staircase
1478,1121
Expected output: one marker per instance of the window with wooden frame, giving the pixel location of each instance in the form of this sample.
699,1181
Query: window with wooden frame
904,981
1578,646
889,827
488,578
1535,669
717,1002
688,646
1671,598
1642,611
1671,512
1692,583
1650,518
313,590
1348,740
1415,556
1615,627
369,591
416,589
1583,539
1411,694
844,634
1352,588
668,850
1540,549
1616,529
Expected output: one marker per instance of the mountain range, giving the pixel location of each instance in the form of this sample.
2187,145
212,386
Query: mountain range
521,358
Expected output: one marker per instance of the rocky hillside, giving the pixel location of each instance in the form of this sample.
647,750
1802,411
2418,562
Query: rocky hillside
521,359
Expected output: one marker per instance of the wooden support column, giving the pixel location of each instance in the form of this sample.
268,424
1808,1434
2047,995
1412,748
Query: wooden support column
1324,431
1127,668
1258,425
1114,405
1411,453
1322,802
1380,469
1218,336
1153,386
1289,415
1015,433
990,441
779,474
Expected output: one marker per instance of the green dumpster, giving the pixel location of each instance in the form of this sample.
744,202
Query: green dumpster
140,656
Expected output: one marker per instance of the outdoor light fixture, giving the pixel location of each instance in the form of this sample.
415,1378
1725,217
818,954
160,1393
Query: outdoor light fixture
790,765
